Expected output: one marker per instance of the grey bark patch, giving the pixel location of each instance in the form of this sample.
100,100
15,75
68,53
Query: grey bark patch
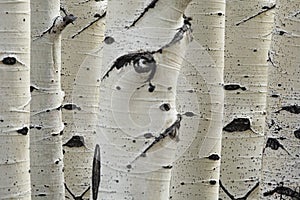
238,124
23,131
75,141
9,60
96,172
189,114
109,40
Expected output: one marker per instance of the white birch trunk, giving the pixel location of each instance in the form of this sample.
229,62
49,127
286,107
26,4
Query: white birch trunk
46,121
138,124
81,79
280,171
15,99
195,175
247,40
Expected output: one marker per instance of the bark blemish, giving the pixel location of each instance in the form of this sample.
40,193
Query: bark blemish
238,124
23,131
167,167
9,60
73,195
96,172
71,106
189,114
214,157
109,40
238,198
234,87
165,107
297,133
274,144
282,190
75,141
295,109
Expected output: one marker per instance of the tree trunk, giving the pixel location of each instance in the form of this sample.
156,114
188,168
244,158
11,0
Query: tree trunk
247,40
140,131
15,99
81,57
195,175
46,120
280,171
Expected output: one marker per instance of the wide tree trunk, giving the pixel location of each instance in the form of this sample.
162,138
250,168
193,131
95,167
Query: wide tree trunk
15,99
141,133
200,96
247,39
46,158
280,169
81,58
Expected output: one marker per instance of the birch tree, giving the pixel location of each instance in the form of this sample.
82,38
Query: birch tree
247,40
46,120
140,132
195,175
15,99
81,48
280,171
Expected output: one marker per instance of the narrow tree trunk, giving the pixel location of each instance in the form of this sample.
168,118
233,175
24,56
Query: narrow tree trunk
247,40
15,99
140,131
46,120
81,78
280,170
195,175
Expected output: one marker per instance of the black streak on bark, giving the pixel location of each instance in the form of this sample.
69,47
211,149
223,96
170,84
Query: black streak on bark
71,106
151,5
274,144
98,16
165,107
76,197
233,87
214,157
240,198
295,109
9,60
238,124
282,190
75,141
96,172
264,9
297,133
23,131
167,167
32,88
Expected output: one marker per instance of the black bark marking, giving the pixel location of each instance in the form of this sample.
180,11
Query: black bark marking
264,9
75,141
167,167
148,135
274,144
189,114
282,190
73,195
295,109
71,106
151,5
109,40
238,124
172,132
213,182
23,131
239,198
270,58
35,126
41,195
9,60
297,133
214,157
165,107
96,172
98,16
32,88
233,87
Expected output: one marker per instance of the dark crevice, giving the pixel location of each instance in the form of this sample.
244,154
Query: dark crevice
71,106
96,172
282,190
98,16
75,141
297,133
239,198
233,87
23,131
151,5
9,60
274,144
295,109
214,157
264,9
238,124
73,195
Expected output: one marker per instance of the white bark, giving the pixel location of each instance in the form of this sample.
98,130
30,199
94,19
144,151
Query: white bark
46,120
280,171
139,126
195,175
81,78
15,99
247,40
